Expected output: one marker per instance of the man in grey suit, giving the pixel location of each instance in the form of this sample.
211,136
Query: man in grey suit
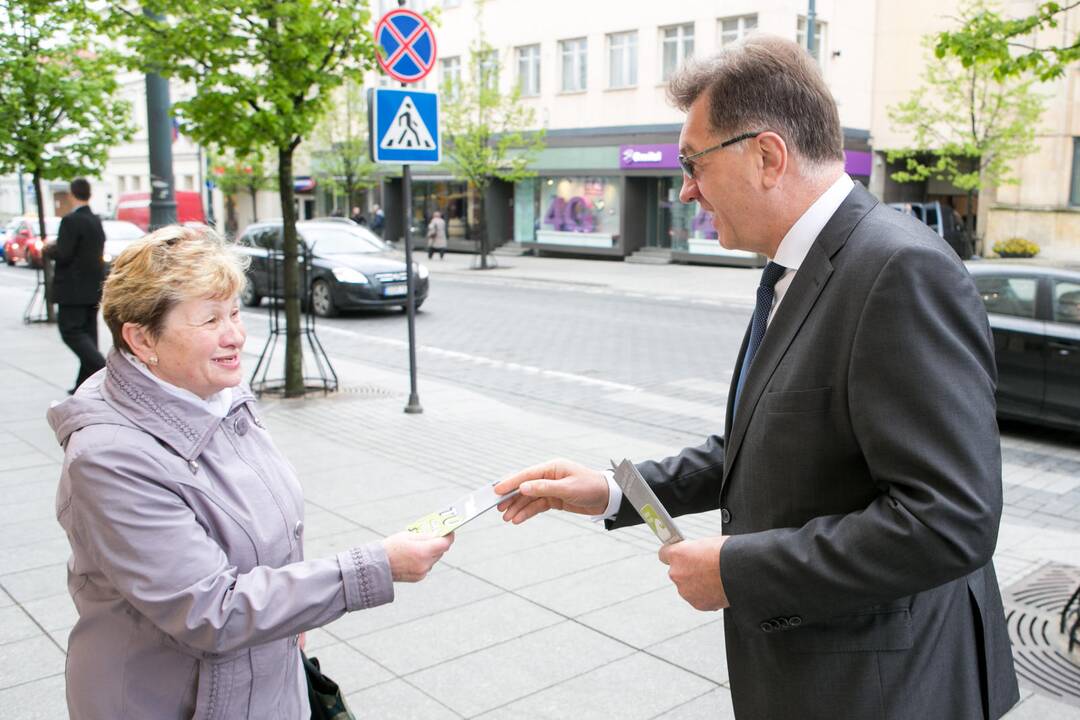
859,482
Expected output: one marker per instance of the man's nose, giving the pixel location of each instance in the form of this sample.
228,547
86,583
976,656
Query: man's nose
689,192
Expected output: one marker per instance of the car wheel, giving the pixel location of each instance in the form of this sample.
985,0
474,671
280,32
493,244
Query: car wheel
248,296
9,260
322,301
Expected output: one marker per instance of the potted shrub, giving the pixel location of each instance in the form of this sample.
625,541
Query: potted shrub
1016,248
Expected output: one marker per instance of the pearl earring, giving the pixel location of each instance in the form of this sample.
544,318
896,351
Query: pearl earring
153,360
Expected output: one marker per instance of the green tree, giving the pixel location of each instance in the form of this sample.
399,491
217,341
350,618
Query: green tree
57,97
967,126
234,174
340,147
487,132
264,74
1006,45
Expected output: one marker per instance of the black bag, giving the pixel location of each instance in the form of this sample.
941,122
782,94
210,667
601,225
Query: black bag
324,695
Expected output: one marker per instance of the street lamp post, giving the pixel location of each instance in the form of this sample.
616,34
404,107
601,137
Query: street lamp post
159,134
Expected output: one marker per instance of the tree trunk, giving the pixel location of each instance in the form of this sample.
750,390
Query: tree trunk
255,201
231,223
969,222
483,229
46,264
294,350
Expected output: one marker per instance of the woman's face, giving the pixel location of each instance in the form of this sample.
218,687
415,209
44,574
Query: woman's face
199,346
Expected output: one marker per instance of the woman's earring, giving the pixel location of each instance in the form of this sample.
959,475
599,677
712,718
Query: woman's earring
153,360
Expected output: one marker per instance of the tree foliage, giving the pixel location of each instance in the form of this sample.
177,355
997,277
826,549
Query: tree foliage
340,146
264,74
1007,44
57,95
488,133
234,174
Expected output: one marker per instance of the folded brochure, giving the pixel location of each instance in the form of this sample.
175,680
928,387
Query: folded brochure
461,511
644,500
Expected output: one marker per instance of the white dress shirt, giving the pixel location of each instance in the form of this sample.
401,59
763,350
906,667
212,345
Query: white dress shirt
790,253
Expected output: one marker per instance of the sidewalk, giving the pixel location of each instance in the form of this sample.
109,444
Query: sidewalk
552,619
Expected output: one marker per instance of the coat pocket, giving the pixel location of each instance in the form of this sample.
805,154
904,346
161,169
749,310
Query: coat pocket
863,632
798,401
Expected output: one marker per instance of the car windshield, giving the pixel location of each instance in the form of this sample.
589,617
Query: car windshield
337,239
119,230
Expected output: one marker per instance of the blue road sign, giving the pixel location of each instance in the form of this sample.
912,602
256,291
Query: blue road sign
407,43
404,126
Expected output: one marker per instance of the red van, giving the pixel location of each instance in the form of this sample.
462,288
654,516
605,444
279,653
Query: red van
135,208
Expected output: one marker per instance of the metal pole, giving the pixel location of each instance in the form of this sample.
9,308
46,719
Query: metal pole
159,134
811,23
22,194
406,190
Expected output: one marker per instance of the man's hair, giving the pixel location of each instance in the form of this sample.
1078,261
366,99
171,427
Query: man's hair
765,83
80,188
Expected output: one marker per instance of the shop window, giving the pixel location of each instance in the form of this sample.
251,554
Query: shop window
574,64
819,37
622,59
579,211
733,29
677,42
528,67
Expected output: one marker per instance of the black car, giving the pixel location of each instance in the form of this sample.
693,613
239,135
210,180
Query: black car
1035,317
351,268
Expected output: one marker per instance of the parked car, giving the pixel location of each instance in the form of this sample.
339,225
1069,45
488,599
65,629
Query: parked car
1034,314
945,221
351,267
24,244
134,207
118,235
7,232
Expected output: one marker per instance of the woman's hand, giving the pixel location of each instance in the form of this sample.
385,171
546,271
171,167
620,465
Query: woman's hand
412,556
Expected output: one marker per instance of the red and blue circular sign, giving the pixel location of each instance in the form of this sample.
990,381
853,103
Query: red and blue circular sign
407,43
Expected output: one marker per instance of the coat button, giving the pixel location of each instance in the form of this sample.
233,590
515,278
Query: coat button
783,623
299,529
766,626
242,425
795,621
725,515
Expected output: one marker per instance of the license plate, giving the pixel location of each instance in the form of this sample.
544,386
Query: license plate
396,290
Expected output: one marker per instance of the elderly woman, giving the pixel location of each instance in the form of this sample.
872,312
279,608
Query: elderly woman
185,522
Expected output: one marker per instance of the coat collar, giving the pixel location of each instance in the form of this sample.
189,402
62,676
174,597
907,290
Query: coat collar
805,289
182,425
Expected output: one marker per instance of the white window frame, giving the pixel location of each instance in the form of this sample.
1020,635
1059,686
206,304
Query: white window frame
576,50
450,74
820,33
528,69
622,59
744,25
487,71
681,37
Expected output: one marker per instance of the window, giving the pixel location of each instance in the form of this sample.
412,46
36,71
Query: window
819,37
528,70
488,70
450,75
574,66
136,183
677,43
1074,188
121,182
1008,295
1067,302
622,59
580,205
733,29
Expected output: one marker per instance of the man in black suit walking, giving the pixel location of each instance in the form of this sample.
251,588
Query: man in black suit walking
859,477
78,250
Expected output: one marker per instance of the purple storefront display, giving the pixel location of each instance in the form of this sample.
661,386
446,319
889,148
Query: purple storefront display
857,162
647,157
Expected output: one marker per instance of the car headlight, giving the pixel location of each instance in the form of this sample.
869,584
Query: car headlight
348,275
37,244
421,271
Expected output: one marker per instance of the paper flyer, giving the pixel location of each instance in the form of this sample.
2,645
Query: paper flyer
644,500
461,511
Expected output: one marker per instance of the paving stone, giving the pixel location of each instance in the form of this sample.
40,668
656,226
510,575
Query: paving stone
54,612
502,673
714,705
594,588
648,619
349,668
399,700
37,583
549,561
16,624
700,650
41,699
15,665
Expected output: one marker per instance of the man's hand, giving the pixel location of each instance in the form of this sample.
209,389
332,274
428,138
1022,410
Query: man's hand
694,567
554,485
412,556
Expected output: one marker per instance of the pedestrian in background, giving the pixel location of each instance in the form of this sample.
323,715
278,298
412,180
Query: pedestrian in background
859,479
80,267
436,236
358,217
377,220
185,522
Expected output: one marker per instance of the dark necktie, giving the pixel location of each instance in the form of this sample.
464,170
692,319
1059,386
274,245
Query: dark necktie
765,294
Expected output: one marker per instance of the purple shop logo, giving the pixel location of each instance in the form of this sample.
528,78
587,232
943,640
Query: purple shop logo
648,156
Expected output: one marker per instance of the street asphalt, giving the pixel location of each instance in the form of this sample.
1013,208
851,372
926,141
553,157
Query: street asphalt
553,619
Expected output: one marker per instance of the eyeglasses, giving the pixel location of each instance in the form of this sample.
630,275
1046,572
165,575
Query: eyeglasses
686,162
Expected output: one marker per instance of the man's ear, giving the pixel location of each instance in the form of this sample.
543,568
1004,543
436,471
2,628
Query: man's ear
139,340
773,158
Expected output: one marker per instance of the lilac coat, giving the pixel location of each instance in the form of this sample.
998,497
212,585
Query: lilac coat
187,565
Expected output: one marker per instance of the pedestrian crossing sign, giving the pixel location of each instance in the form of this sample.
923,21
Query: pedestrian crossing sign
404,126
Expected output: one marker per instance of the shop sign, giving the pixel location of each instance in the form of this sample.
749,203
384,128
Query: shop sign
638,157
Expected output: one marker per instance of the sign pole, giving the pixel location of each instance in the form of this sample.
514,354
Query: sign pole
413,407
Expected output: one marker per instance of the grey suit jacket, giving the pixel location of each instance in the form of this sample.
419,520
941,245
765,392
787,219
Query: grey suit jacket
860,481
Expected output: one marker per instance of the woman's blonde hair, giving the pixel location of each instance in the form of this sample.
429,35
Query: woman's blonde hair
173,264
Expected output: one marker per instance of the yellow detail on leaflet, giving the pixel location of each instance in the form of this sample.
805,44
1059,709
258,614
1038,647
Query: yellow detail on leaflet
437,523
659,528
